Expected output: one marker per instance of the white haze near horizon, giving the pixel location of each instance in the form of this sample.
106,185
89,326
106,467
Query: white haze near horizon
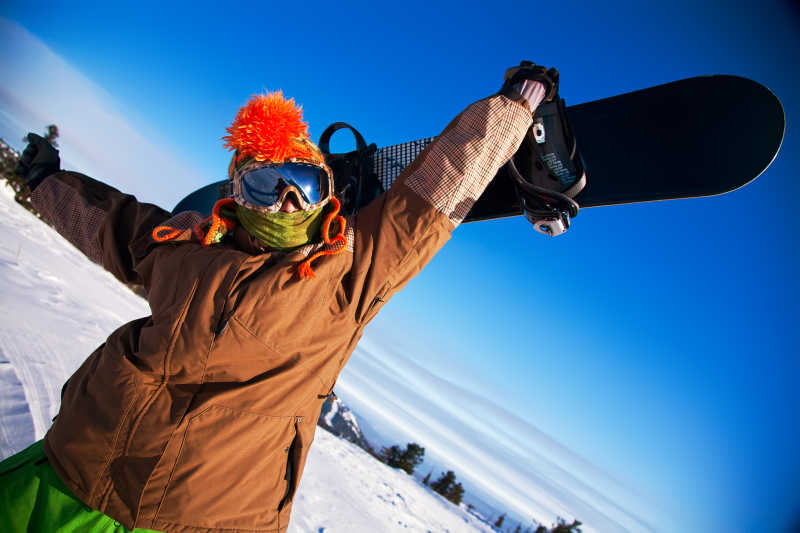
492,451
510,462
40,88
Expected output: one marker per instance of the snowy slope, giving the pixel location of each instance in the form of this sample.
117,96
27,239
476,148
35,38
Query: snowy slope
345,490
58,306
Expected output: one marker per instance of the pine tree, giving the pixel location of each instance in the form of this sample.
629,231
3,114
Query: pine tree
8,160
8,163
446,486
427,478
500,519
455,493
390,455
563,527
52,135
406,459
411,457
518,529
445,481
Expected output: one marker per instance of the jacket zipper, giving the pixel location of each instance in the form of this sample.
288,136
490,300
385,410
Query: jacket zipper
290,473
222,325
379,298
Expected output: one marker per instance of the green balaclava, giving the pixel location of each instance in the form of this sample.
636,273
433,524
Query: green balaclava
281,231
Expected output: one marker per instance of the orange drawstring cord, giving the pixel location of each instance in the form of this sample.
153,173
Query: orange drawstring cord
206,238
172,233
305,270
217,221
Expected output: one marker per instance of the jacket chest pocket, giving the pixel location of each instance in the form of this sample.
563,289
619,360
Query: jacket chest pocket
231,471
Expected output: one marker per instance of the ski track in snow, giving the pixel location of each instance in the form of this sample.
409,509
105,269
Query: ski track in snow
16,429
58,307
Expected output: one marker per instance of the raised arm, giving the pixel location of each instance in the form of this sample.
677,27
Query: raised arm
109,227
399,233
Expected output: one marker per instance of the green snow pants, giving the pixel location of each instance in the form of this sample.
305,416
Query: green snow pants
33,499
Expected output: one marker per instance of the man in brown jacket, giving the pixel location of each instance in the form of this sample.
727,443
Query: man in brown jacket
199,417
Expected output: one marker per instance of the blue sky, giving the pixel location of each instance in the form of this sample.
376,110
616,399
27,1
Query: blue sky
654,341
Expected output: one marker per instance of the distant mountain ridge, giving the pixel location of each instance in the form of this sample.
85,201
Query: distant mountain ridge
340,420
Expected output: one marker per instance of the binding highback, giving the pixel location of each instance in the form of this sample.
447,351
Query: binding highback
354,179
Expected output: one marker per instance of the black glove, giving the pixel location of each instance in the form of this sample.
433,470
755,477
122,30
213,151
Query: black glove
516,76
38,160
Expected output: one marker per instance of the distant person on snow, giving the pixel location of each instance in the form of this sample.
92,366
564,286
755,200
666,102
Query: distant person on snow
199,418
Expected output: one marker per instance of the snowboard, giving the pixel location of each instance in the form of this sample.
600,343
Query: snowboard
695,137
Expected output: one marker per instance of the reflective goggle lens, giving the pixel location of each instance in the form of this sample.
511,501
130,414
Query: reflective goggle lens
263,186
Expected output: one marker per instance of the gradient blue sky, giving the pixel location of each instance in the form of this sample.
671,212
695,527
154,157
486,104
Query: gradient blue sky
654,340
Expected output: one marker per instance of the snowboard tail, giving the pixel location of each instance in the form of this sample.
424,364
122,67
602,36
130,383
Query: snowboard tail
691,138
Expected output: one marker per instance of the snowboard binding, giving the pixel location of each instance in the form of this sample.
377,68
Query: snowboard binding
355,182
547,170
514,85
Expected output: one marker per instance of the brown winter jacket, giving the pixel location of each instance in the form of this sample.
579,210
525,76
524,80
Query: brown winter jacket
199,417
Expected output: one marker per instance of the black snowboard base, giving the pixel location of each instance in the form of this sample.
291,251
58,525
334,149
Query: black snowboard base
691,138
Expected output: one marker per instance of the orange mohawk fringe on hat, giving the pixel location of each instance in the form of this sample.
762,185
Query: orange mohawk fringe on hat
270,128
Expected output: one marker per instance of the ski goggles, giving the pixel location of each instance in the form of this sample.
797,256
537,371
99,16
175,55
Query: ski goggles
264,188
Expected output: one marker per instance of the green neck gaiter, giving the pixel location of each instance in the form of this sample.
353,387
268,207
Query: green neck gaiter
281,231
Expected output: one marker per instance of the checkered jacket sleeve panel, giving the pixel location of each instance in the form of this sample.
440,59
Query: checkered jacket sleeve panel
109,227
455,169
399,233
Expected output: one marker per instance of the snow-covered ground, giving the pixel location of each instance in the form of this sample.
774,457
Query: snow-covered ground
345,490
58,306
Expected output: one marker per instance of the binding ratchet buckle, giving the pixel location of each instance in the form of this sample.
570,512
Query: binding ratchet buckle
552,171
549,225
